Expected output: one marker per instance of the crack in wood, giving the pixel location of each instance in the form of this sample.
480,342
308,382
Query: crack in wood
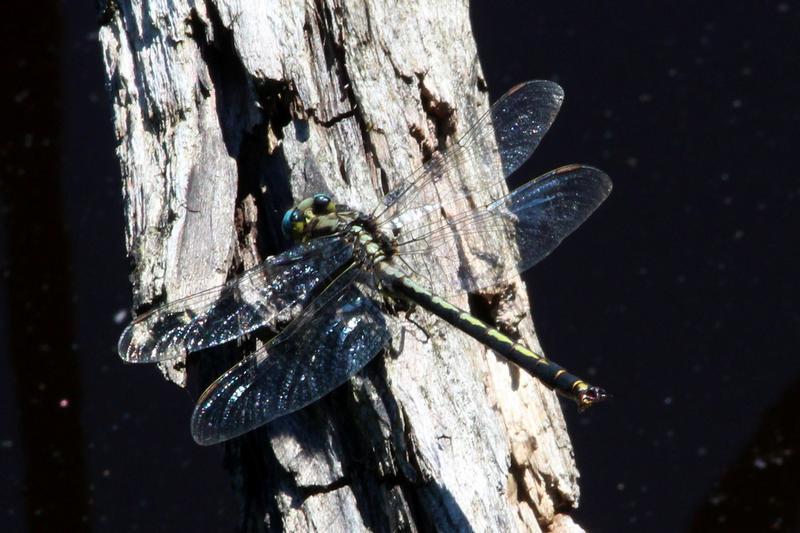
345,84
440,113
332,121
309,491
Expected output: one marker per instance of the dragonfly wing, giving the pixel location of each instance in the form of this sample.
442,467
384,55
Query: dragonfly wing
511,130
340,332
273,291
470,234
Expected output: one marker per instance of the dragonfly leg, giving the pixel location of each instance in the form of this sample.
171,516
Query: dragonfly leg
408,316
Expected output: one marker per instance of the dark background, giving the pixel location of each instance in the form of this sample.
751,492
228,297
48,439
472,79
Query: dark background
678,295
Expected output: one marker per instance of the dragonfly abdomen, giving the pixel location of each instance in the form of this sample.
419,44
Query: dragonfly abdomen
548,372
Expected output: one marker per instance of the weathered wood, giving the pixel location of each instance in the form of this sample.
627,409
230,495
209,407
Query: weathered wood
226,111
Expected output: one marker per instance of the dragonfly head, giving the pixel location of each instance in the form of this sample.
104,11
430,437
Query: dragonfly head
297,220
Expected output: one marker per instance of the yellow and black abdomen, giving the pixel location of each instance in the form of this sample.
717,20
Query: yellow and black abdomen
550,373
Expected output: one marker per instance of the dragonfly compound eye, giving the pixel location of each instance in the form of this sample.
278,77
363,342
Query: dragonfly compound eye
293,223
322,204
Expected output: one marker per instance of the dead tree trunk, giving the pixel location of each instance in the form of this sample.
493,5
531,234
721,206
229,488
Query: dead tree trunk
227,110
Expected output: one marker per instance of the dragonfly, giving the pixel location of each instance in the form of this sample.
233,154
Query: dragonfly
330,292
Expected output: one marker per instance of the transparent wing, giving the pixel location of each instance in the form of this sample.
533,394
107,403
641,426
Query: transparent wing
273,291
341,331
469,238
510,131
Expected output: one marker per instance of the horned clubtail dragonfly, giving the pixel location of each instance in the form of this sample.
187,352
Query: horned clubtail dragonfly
331,289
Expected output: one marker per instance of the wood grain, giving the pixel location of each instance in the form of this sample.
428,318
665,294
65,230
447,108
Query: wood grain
225,112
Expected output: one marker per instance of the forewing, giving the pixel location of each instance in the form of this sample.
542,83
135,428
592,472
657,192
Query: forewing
340,333
273,291
473,241
509,132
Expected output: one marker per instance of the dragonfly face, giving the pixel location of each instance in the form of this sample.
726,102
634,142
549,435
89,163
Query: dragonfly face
317,211
328,285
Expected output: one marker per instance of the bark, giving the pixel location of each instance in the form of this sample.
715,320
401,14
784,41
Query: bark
226,111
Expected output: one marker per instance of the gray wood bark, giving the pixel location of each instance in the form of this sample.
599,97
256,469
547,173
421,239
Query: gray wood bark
225,112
